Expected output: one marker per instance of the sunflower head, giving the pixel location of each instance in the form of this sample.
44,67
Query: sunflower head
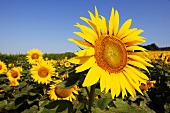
110,54
34,55
56,93
167,59
14,73
3,68
42,72
146,87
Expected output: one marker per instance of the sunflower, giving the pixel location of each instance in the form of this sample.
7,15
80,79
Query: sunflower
42,72
13,75
167,59
146,87
56,93
34,55
110,54
14,83
3,68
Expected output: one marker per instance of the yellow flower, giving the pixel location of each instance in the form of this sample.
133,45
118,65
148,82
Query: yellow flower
167,59
1,90
42,72
56,93
109,54
34,55
146,87
67,64
3,68
13,75
65,76
14,83
11,65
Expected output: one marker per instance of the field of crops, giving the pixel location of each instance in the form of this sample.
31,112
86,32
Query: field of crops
22,90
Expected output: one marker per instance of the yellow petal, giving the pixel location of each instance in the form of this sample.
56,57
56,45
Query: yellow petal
80,53
97,22
122,86
132,38
111,22
115,84
102,81
124,27
126,84
135,42
92,76
139,73
92,17
133,84
138,64
87,37
116,23
128,32
131,48
141,54
80,43
103,25
79,60
108,81
93,25
139,59
87,30
88,64
90,52
133,75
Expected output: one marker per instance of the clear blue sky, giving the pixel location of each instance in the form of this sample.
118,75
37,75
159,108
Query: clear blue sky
46,24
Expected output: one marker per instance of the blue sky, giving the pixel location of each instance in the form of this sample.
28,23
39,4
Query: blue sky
47,24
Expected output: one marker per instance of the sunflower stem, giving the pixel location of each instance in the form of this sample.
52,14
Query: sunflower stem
91,97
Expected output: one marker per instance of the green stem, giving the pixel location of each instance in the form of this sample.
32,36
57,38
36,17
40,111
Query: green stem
91,97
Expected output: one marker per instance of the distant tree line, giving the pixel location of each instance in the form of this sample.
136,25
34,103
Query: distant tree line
154,47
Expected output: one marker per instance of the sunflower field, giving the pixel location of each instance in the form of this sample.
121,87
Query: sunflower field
110,73
26,87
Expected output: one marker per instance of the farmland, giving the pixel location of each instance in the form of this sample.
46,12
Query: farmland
31,95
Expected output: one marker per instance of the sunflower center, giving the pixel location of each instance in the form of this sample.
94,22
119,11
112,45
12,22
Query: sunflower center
63,93
35,56
110,54
0,67
43,72
14,74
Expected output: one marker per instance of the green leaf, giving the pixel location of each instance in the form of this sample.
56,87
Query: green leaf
43,103
22,84
2,95
20,100
33,109
60,106
5,87
71,81
124,107
102,103
3,103
45,110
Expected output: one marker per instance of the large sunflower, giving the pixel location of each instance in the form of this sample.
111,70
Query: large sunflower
34,55
42,72
13,75
3,68
109,54
56,93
